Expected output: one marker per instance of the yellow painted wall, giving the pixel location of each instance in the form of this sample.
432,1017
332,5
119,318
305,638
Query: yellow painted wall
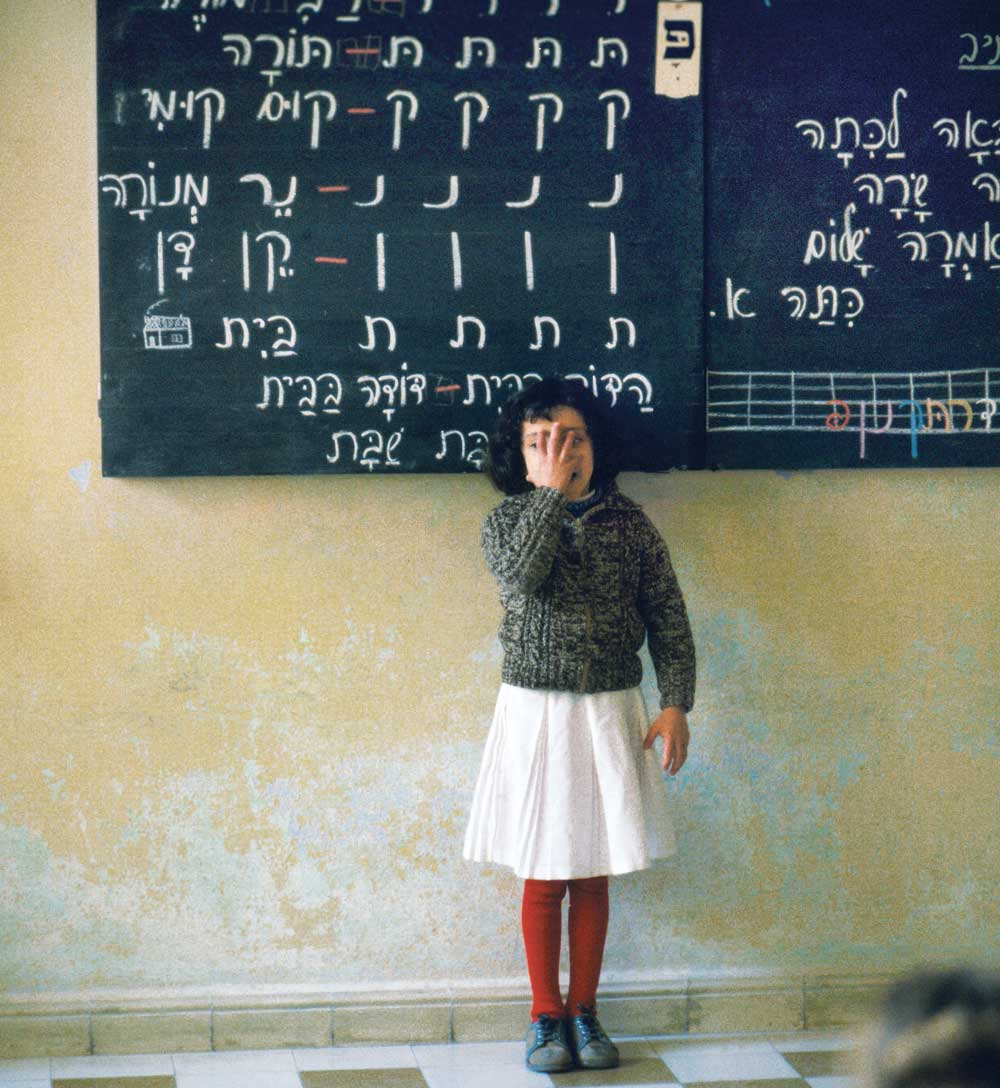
240,719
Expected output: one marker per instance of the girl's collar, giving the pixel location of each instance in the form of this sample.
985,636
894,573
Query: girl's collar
578,507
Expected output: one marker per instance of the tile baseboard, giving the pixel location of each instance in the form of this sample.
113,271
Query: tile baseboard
67,1025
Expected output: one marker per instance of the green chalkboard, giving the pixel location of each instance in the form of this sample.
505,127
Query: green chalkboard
853,233
334,236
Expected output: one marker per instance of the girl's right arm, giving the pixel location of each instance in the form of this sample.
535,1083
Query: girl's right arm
520,539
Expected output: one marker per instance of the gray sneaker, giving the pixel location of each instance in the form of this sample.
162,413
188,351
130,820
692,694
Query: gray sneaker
546,1046
591,1046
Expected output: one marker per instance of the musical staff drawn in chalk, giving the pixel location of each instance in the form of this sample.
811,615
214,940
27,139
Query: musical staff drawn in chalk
941,401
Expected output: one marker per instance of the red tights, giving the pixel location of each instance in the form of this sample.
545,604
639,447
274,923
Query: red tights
541,922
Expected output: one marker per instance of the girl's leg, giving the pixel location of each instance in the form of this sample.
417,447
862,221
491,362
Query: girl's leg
541,923
588,927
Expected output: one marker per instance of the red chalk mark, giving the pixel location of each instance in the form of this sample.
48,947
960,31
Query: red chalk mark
362,52
331,260
447,389
332,188
359,109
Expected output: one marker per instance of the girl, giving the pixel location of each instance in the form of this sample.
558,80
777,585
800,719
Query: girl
570,791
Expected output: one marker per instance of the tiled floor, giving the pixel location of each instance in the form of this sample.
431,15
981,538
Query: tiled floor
791,1061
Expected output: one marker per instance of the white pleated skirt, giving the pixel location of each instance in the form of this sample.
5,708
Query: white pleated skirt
566,789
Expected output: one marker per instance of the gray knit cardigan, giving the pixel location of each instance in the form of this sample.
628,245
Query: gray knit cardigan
580,595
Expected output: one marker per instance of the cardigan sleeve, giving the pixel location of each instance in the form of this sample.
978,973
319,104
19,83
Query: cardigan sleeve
520,538
668,630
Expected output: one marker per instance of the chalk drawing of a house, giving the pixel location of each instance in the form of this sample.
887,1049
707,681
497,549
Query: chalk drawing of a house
163,333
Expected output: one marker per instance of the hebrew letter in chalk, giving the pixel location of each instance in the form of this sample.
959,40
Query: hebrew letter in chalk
641,386
336,439
119,188
854,303
545,49
240,48
619,107
390,328
532,196
452,198
379,194
277,265
309,390
614,198
462,320
621,323
402,49
610,49
273,382
613,263
477,49
406,107
331,402
281,208
472,382
214,109
318,99
444,451
966,407
827,303
474,456
307,8
937,410
285,335
380,272
467,98
798,298
227,328
540,324
547,103
989,184
160,110
456,261
180,242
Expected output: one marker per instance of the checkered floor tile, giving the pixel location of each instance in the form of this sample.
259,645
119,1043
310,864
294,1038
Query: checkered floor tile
792,1061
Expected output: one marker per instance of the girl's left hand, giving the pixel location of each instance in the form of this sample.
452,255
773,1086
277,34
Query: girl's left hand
672,726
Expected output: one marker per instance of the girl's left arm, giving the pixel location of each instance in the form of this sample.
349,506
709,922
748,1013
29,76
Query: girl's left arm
671,646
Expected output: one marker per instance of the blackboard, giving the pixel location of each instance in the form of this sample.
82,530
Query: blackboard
336,234
853,233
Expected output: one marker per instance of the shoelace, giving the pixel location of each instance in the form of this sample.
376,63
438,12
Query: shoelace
546,1030
589,1026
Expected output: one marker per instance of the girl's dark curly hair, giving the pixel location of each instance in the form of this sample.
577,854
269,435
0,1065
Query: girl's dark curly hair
505,463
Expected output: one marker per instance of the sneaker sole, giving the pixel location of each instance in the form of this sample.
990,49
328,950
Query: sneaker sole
555,1068
609,1062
